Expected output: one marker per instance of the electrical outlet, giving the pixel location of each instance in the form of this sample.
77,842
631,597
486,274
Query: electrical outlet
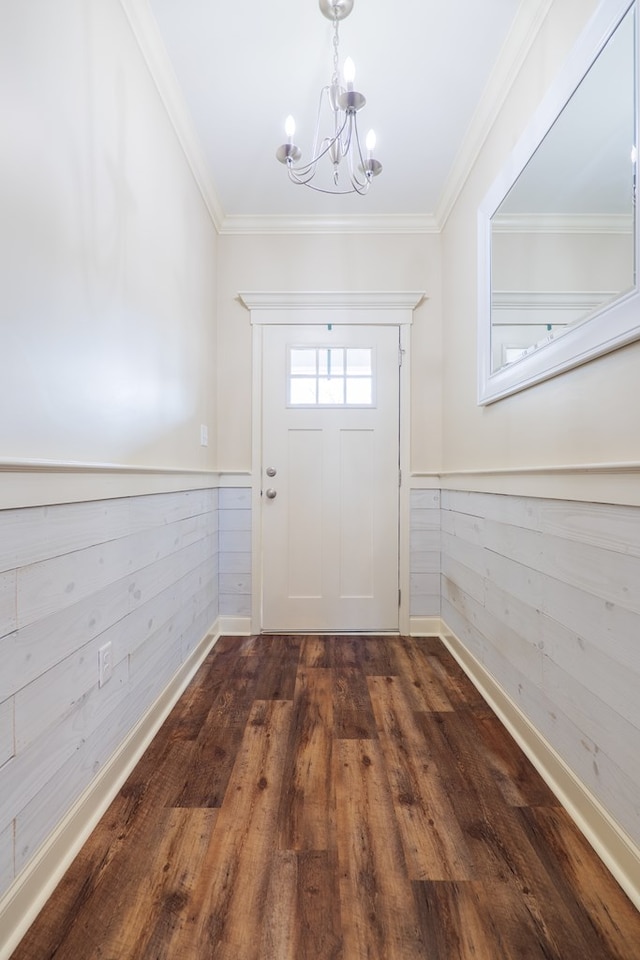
105,664
204,435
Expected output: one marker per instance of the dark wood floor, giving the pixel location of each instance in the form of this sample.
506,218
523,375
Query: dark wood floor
343,798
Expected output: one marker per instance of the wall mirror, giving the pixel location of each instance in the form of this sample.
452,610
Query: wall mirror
558,232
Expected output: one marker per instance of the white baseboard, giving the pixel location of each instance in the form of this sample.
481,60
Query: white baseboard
26,897
617,851
425,626
234,627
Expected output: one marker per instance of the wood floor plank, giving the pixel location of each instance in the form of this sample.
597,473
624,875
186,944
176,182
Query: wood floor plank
279,936
352,711
319,926
512,771
426,689
467,921
497,839
276,673
228,917
316,651
308,802
143,896
440,732
107,851
461,693
151,928
375,657
433,843
346,652
216,747
379,918
187,717
584,883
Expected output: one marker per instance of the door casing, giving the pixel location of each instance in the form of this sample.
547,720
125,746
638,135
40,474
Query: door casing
391,309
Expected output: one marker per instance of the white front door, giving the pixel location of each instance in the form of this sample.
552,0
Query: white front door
330,478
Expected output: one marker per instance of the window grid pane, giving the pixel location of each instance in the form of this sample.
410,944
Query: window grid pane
359,362
303,361
359,391
330,376
331,390
302,390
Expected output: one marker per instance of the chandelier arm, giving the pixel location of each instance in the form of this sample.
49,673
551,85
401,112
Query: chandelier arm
305,179
303,174
316,137
334,193
367,180
324,150
360,186
350,119
360,157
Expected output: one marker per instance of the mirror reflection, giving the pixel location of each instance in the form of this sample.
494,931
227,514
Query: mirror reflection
562,240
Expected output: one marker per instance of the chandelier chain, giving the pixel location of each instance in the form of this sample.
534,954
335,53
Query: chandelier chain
336,41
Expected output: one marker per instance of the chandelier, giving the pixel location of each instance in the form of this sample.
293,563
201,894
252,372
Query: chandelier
348,169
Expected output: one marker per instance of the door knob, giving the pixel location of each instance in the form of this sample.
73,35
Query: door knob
271,494
271,471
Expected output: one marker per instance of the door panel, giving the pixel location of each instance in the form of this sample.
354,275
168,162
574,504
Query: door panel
330,512
357,513
303,556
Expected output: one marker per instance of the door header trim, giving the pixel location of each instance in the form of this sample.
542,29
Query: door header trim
339,307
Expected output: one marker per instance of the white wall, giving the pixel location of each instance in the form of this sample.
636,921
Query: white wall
329,263
107,253
572,262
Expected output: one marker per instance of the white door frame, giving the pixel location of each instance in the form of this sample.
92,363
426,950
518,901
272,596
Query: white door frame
297,309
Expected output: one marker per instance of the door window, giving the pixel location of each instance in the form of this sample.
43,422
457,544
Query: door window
330,377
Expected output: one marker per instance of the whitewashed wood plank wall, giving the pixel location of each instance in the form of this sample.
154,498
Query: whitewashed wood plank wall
235,552
424,547
546,595
141,572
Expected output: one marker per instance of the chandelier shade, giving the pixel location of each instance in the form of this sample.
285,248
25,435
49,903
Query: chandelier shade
338,164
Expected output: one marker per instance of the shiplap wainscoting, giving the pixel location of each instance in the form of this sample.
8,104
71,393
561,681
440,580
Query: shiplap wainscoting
545,595
424,548
235,554
140,572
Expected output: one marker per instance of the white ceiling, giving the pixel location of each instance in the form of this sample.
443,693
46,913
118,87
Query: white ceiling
433,73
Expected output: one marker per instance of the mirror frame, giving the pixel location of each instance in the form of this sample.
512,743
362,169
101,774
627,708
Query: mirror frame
603,331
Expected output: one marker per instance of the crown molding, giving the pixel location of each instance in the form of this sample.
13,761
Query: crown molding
529,18
356,224
591,223
147,35
585,300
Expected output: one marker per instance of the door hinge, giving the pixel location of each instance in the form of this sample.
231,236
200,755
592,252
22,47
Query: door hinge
399,598
399,478
401,353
